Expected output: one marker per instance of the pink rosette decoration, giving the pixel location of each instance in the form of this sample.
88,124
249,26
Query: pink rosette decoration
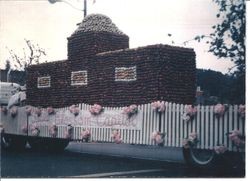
116,136
69,132
158,106
158,137
86,135
24,129
74,110
241,111
192,140
220,149
219,110
4,110
96,109
28,110
190,112
130,110
35,131
185,143
13,111
50,110
1,128
236,137
53,131
186,117
193,136
38,111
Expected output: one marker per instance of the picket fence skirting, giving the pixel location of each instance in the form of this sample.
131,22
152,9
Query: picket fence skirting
211,130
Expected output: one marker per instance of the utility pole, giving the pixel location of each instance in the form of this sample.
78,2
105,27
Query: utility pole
65,1
85,8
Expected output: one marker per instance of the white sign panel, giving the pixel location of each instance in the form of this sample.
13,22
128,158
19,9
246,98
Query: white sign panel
107,119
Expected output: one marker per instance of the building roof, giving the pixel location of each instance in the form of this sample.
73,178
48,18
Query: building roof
98,23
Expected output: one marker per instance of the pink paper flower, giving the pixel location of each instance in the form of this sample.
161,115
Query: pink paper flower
1,128
28,110
186,117
158,137
116,136
190,110
130,110
241,111
69,132
24,129
4,110
86,135
38,111
35,131
235,137
13,111
220,149
219,110
96,109
50,110
158,106
118,140
193,135
185,143
53,131
74,110
191,140
154,134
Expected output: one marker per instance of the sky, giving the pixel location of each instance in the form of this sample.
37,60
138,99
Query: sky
146,22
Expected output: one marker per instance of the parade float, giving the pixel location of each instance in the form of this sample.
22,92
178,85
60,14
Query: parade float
106,92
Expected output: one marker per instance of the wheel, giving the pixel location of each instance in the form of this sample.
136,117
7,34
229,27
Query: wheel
200,158
13,142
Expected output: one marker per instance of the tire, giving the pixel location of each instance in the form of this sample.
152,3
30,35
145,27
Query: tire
200,158
13,142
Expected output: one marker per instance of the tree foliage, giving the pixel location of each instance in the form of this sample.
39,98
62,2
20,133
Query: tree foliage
228,41
31,55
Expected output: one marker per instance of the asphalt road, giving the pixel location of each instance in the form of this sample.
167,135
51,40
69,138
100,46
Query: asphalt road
31,164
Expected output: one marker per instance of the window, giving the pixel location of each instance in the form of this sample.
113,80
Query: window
79,78
43,82
125,73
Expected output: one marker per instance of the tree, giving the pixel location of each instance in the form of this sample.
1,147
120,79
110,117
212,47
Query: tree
7,65
228,41
31,56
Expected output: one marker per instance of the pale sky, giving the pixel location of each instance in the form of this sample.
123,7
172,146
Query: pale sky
146,22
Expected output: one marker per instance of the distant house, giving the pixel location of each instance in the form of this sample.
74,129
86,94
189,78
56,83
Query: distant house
15,76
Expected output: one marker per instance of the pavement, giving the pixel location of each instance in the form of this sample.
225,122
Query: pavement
170,154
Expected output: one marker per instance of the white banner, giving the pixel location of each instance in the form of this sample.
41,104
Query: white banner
106,119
